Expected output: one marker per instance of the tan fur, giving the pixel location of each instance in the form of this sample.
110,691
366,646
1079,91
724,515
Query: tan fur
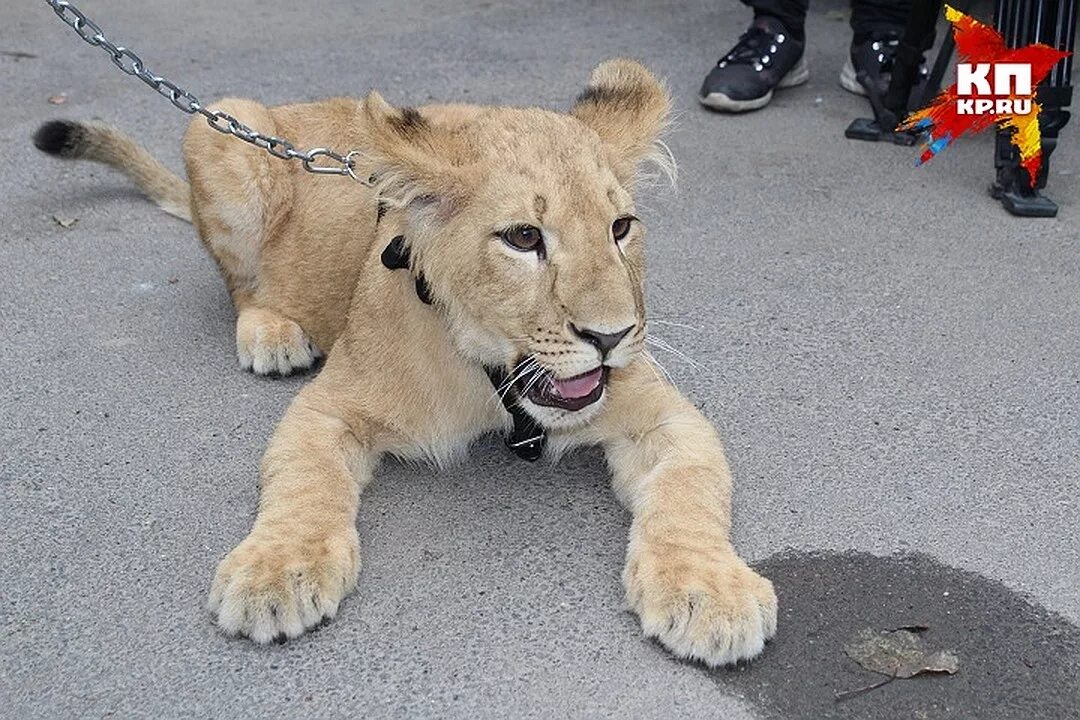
301,256
105,144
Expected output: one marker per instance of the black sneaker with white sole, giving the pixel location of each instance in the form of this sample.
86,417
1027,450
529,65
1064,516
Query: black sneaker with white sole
765,58
875,55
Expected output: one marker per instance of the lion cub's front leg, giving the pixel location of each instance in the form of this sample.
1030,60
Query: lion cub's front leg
683,578
268,343
302,555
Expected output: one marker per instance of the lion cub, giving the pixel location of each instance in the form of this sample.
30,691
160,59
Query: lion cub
517,255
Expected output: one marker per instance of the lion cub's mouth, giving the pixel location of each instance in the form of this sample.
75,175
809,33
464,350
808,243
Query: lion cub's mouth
572,393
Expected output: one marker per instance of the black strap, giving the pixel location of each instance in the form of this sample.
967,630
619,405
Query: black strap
528,438
396,257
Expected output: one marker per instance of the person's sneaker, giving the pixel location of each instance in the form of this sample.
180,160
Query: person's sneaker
876,55
766,57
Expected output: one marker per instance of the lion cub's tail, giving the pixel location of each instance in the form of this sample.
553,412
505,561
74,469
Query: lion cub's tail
106,144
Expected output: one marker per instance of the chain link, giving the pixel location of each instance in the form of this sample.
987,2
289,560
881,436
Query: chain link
131,64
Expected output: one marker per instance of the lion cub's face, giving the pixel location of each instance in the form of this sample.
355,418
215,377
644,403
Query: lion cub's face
524,226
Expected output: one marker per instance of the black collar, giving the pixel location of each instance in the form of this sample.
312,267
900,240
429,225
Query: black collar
527,439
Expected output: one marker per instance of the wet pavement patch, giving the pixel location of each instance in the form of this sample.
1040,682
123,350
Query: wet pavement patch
1017,660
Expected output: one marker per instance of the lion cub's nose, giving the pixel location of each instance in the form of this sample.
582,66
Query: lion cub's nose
604,342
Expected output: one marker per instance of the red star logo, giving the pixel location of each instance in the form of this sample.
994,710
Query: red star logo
951,114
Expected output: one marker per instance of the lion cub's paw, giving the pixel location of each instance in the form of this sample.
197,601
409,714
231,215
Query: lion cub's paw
277,586
269,344
700,605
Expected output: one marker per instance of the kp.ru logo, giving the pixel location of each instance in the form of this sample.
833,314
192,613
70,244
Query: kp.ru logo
1010,95
994,84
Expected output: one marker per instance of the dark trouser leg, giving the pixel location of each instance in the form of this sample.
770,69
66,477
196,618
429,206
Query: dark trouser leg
1052,22
873,16
790,12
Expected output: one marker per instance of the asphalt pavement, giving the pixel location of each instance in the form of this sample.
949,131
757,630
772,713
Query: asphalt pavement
891,359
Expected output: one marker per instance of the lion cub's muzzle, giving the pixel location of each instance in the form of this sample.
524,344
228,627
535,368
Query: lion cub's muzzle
544,377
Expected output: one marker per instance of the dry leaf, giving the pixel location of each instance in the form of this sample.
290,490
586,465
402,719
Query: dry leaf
899,654
64,222
58,99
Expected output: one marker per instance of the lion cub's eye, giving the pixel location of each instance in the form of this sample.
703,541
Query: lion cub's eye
621,227
525,238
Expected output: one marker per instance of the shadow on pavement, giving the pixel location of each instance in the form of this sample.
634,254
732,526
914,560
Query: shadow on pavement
1017,660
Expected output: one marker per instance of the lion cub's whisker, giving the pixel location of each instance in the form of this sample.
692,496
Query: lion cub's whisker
519,372
674,324
532,381
653,364
664,345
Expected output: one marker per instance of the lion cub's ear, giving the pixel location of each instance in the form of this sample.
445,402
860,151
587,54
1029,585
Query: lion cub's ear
411,158
629,108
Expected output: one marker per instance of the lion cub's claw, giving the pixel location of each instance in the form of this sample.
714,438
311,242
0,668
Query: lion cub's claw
269,344
716,611
270,588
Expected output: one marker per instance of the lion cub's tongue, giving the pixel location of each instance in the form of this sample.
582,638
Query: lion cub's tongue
579,386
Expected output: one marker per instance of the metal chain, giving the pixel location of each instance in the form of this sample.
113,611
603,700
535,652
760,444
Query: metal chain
132,64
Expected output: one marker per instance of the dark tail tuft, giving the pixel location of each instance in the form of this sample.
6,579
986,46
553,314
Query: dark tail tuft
59,137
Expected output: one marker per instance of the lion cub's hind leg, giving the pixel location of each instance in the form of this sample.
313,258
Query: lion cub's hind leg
238,195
